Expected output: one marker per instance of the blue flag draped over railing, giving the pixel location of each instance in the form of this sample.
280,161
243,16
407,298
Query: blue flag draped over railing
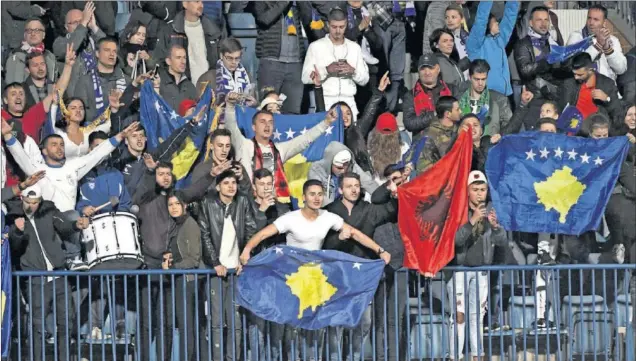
560,53
570,120
553,183
308,289
160,120
5,311
288,127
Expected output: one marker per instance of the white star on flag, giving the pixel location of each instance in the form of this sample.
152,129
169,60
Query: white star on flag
328,131
157,106
278,250
303,131
544,152
357,265
558,152
530,155
572,154
276,134
173,115
585,158
290,133
598,161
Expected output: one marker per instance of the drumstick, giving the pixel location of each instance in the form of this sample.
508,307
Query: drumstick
113,201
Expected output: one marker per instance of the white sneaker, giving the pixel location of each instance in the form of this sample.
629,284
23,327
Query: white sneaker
619,253
96,333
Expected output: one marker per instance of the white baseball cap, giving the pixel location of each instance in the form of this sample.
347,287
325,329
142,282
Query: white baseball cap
476,176
33,191
342,157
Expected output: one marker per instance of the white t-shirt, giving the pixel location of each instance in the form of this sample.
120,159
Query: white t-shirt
306,234
229,253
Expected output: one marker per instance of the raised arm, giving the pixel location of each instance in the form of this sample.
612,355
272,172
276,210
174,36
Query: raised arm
478,31
231,124
259,237
17,151
290,148
507,25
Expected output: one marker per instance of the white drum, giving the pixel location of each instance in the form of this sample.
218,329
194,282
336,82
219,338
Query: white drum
112,242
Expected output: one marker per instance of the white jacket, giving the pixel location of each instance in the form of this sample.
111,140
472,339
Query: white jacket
321,53
60,183
611,66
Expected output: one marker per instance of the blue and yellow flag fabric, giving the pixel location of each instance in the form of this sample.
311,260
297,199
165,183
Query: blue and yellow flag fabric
570,120
288,127
561,53
160,120
5,311
308,289
553,183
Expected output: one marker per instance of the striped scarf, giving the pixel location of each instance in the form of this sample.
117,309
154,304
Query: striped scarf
280,180
289,20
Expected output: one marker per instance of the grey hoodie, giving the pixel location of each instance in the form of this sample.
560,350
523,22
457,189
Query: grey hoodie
479,251
321,170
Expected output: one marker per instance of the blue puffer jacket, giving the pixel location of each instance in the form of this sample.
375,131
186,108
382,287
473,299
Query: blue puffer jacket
493,48
99,186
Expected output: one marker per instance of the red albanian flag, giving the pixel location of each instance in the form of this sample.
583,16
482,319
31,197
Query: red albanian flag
433,206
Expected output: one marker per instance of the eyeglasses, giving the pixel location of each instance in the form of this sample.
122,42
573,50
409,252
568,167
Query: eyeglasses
232,59
34,31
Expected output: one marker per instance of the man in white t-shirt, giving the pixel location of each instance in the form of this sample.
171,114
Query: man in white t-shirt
306,228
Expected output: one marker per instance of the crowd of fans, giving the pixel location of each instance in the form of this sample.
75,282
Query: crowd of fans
73,147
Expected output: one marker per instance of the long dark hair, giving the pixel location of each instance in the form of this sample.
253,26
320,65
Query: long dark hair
433,40
355,141
62,123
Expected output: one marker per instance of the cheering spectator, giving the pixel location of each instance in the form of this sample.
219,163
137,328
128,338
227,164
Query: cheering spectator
480,148
95,86
134,57
78,24
385,145
33,43
104,14
194,32
37,85
475,244
154,15
33,241
175,87
441,133
15,15
590,91
539,77
606,51
444,48
100,184
261,152
185,249
488,40
280,49
220,159
227,223
339,63
336,161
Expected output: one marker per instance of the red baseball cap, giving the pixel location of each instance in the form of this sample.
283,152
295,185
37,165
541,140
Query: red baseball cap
386,123
186,105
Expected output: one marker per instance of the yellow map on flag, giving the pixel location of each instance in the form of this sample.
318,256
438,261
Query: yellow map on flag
560,192
311,286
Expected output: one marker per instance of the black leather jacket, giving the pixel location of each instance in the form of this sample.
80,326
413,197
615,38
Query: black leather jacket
569,94
211,218
541,78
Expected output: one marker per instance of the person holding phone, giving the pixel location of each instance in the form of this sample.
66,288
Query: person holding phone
475,244
339,61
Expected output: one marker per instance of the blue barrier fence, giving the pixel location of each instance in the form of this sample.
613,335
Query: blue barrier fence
492,313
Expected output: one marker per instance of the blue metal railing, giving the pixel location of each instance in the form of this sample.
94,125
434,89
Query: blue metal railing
487,312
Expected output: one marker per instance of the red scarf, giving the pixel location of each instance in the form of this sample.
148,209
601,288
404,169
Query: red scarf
280,181
32,49
423,102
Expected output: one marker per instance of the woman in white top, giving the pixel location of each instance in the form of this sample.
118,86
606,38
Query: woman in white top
71,130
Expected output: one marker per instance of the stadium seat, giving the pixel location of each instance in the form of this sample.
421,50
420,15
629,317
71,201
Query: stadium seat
623,311
521,311
589,321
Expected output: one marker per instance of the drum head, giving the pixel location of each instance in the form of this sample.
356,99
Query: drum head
117,264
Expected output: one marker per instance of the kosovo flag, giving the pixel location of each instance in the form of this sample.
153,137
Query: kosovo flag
160,120
308,289
552,183
5,310
561,53
433,206
570,120
288,127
